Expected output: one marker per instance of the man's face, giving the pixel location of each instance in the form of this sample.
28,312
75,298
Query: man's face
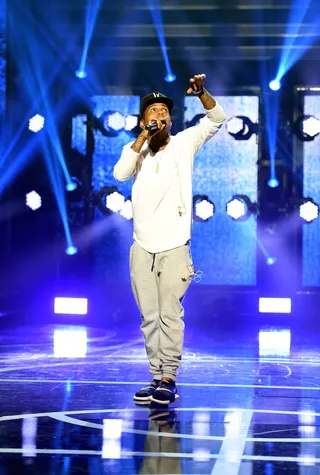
156,111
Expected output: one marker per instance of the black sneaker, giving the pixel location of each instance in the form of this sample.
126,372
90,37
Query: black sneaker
143,395
165,393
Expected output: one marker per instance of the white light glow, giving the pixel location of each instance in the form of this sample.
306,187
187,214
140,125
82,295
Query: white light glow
36,123
131,122
112,430
29,436
126,210
309,211
33,200
234,125
204,209
71,306
274,343
236,209
311,126
70,343
274,305
116,121
115,201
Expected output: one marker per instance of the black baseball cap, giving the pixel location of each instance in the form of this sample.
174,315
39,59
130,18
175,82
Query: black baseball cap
153,98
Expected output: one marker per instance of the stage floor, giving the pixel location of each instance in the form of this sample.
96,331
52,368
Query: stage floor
244,408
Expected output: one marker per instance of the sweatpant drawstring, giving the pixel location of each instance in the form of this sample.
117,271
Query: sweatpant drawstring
152,267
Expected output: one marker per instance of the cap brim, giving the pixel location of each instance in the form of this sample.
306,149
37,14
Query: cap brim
161,100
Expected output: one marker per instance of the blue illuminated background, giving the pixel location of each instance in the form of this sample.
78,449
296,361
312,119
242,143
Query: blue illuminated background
3,57
311,188
224,250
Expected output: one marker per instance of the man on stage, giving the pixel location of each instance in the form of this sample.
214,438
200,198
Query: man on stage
161,265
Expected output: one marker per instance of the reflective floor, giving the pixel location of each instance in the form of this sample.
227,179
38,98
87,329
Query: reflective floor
249,404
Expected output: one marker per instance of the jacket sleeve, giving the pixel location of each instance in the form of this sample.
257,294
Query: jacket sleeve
207,127
125,168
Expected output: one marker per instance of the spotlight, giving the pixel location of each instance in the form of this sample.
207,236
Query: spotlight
71,186
116,121
33,200
126,210
109,199
81,74
273,182
309,211
132,121
241,127
115,201
70,306
36,123
240,208
203,208
275,85
71,250
274,305
271,261
170,77
307,128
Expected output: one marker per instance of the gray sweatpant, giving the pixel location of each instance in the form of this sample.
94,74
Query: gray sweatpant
159,283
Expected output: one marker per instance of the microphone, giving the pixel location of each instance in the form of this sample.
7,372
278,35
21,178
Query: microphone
154,126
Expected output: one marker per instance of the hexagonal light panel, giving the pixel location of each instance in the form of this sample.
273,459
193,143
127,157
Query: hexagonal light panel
33,200
309,211
236,208
115,201
311,126
204,209
116,121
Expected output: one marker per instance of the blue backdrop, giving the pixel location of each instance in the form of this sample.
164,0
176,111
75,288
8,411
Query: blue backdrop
311,188
223,249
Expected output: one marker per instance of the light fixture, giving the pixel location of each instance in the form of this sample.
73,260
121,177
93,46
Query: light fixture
33,200
307,128
36,123
274,305
275,85
240,207
170,77
203,208
309,210
71,250
241,127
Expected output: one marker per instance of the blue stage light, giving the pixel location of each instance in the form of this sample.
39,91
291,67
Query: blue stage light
170,77
71,250
81,74
275,85
271,261
273,183
71,186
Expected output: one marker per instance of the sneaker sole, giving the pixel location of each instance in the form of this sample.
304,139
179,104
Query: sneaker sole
167,402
